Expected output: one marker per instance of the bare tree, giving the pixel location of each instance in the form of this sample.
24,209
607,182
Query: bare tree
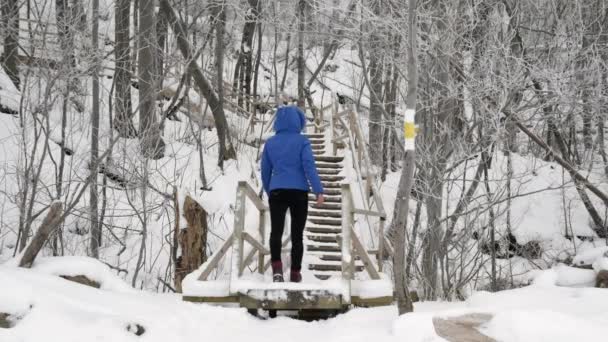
10,12
94,208
404,302
152,144
122,72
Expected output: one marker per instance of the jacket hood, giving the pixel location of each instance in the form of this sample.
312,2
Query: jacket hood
289,119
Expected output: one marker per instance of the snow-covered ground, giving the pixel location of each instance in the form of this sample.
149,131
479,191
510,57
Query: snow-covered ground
44,307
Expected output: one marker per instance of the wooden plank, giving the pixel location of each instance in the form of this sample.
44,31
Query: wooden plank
371,302
215,258
262,231
277,299
197,299
250,193
346,247
360,251
255,243
237,265
367,212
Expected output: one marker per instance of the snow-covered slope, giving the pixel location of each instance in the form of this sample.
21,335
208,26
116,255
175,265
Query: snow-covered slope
45,307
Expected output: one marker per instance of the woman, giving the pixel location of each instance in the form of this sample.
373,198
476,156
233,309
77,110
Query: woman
288,168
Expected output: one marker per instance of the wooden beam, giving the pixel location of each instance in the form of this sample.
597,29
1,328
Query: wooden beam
367,261
215,258
250,193
368,213
371,302
197,299
281,299
255,243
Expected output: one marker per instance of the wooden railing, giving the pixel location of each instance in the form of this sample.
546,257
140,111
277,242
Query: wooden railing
352,135
239,236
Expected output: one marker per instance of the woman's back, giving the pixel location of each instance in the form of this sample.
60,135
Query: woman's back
287,160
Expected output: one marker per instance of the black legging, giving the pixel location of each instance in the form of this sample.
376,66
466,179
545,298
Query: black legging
297,203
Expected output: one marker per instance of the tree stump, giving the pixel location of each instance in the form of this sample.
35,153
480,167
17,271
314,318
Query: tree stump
601,280
49,224
192,241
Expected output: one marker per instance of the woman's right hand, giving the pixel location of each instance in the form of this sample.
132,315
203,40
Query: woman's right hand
320,199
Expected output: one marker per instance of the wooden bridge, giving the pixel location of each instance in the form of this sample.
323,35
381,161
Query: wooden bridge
343,237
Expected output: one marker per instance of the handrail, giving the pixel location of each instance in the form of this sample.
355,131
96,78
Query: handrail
361,158
245,191
239,236
367,160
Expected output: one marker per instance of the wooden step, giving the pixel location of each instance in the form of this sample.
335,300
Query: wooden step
317,141
327,206
332,267
327,238
322,276
325,221
324,248
334,257
332,192
324,165
331,185
327,178
324,213
323,230
330,172
315,135
328,198
329,159
317,147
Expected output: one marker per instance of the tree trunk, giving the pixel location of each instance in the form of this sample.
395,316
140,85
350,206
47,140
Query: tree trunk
376,69
94,208
152,144
226,151
242,76
219,15
10,12
301,14
122,72
404,302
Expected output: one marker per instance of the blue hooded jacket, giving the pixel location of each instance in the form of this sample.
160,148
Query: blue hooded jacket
287,160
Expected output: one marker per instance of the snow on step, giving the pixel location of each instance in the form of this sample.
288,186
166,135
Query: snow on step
328,198
325,213
326,221
323,238
323,230
329,159
326,206
332,267
329,171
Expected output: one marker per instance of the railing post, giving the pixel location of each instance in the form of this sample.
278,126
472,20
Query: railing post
262,226
346,247
237,246
332,125
347,216
380,255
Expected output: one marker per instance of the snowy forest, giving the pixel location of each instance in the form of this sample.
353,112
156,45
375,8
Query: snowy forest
461,145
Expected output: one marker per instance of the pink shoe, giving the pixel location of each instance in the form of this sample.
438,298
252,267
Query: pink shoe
295,276
277,271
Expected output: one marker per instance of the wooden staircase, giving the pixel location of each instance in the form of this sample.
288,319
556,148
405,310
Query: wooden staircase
323,252
333,249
